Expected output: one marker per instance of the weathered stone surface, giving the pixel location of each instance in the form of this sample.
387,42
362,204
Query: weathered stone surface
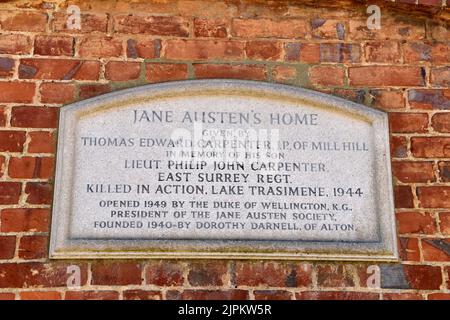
222,168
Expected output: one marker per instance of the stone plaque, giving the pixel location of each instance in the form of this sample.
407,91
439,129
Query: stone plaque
222,169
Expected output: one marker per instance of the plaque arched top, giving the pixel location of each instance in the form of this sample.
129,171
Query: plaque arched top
223,87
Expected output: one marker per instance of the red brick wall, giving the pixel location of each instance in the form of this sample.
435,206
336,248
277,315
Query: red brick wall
404,68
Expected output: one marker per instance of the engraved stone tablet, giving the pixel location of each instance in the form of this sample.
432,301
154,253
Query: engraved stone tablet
222,169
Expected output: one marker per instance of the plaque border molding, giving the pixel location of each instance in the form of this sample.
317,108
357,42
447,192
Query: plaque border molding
64,247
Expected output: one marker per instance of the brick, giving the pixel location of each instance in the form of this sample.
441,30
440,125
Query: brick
399,147
334,275
392,276
385,52
99,47
7,296
39,192
269,9
438,30
387,99
421,52
284,73
143,48
444,222
58,69
440,76
305,52
272,295
40,295
263,50
338,52
25,220
239,71
7,247
122,71
93,90
11,141
173,295
92,295
430,147
292,51
357,96
300,276
272,274
403,197
415,222
429,99
435,3
25,167
441,122
164,273
23,21
15,44
266,28
402,296
160,72
34,117
31,167
214,295
142,295
53,46
6,67
444,171
207,274
408,122
439,296
10,192
17,92
409,249
422,277
336,295
434,196
327,29
2,166
116,273
392,29
436,249
204,8
203,49
33,247
153,25
90,22
2,117
60,93
42,142
36,274
385,76
326,76
409,171
447,272
216,28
